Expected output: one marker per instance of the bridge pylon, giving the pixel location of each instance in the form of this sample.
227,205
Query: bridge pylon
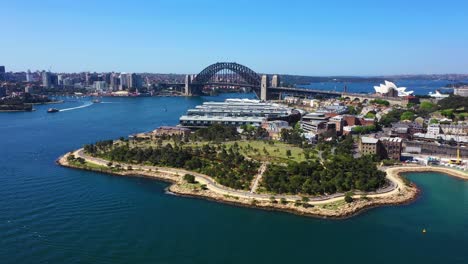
264,87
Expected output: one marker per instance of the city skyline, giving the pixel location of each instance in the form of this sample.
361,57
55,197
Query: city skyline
302,38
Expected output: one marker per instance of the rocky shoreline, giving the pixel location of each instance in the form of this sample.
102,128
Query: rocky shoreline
335,208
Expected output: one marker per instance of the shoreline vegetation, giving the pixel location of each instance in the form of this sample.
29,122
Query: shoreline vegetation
24,103
202,187
244,168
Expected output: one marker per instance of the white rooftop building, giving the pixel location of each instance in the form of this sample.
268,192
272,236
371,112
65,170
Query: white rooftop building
387,88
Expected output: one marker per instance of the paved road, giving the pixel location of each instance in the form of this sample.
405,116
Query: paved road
214,186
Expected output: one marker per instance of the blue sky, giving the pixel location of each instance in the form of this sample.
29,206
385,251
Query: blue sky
296,37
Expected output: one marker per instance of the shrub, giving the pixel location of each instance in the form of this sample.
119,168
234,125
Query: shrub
189,178
349,197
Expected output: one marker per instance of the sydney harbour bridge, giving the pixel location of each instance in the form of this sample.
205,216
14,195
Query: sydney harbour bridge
266,87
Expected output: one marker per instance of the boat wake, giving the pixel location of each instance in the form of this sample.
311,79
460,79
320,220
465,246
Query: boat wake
78,107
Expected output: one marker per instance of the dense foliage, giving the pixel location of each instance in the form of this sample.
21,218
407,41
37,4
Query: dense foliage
217,133
340,173
453,102
380,102
227,165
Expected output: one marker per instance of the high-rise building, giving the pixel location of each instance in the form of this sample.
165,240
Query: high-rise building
134,81
28,76
49,80
2,73
123,81
60,79
46,79
67,81
275,81
114,81
107,78
100,85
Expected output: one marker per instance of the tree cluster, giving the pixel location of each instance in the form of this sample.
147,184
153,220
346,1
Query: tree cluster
340,173
227,165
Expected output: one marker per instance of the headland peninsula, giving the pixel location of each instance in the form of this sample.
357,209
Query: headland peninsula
238,167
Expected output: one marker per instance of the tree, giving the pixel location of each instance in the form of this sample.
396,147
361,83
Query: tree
189,178
349,197
408,115
288,153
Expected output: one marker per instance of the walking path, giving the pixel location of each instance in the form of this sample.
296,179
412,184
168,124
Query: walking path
258,177
211,184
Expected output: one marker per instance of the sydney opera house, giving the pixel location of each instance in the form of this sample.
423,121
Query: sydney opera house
390,89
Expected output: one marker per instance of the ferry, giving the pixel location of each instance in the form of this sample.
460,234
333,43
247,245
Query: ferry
53,110
96,101
438,94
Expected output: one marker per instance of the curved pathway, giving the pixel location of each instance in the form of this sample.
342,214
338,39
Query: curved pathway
211,184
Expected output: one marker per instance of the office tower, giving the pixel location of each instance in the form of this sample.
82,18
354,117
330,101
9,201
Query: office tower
28,76
46,79
123,81
2,73
114,81
60,79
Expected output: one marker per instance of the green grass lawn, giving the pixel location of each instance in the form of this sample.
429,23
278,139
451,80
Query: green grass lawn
255,149
262,150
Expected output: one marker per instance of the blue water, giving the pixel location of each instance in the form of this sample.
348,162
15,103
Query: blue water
50,214
420,87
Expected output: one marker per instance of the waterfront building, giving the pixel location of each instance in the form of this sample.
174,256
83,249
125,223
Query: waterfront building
461,91
100,85
114,81
234,112
391,90
123,82
46,79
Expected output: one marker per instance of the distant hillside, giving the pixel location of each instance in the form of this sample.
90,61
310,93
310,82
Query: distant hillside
304,80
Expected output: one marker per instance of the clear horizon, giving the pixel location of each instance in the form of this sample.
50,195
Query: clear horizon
337,38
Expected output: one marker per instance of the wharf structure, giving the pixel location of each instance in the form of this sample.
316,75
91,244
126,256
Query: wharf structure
234,112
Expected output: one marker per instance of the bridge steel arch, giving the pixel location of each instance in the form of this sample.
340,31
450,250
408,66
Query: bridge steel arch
204,77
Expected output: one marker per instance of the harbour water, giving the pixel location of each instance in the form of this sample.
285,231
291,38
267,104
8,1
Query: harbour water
50,214
419,87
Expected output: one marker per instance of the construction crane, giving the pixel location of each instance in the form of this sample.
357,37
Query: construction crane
457,161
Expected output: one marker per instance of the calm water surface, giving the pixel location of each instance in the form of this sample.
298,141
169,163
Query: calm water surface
50,214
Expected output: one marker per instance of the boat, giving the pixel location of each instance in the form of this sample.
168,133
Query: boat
438,95
53,110
96,101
